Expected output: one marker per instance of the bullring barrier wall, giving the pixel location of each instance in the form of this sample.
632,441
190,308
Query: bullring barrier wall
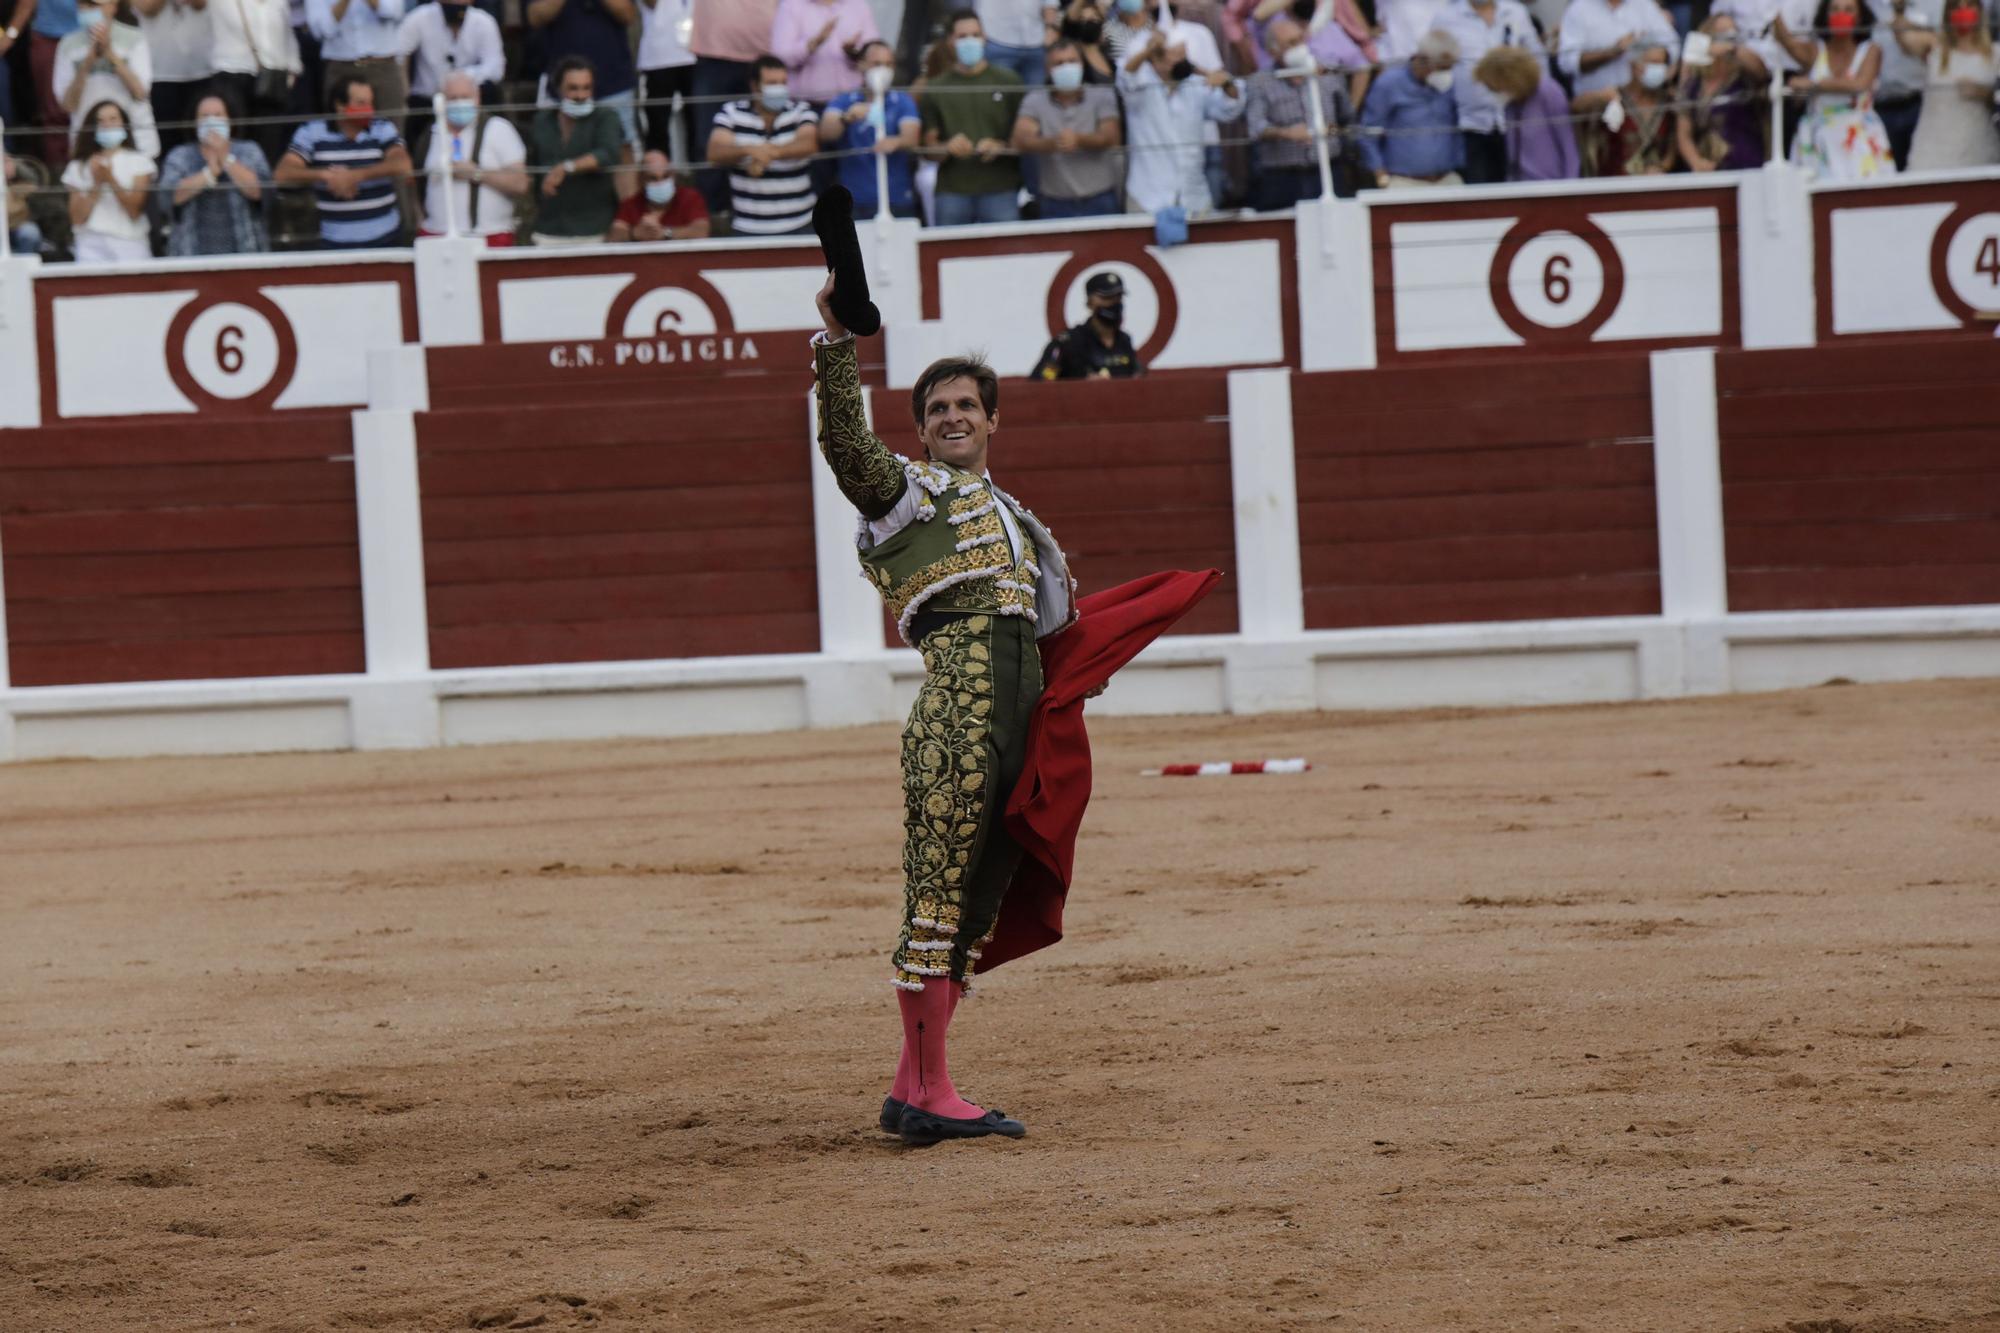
1470,448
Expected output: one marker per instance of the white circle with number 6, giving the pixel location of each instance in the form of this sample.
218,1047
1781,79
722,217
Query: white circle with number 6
1556,280
1972,262
231,350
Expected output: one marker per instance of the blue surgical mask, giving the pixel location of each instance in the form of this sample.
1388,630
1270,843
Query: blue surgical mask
576,109
775,96
1067,78
461,112
212,125
660,192
1131,6
970,50
111,138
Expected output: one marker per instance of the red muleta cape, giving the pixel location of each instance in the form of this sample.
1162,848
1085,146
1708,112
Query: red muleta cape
1046,808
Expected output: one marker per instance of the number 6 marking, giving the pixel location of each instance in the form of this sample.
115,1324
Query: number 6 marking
229,355
1555,280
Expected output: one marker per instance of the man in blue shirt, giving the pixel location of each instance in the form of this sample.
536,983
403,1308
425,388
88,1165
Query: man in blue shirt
354,162
1409,124
364,39
854,124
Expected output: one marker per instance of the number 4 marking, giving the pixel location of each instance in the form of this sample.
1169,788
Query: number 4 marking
1988,261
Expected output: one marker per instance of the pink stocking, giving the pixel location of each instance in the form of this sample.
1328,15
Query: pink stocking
906,1063
926,1015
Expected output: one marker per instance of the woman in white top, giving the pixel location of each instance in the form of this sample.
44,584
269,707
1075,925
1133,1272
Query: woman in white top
108,187
1840,138
107,61
666,67
1955,128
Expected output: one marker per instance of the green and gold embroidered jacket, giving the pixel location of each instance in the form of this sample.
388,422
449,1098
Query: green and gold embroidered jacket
932,534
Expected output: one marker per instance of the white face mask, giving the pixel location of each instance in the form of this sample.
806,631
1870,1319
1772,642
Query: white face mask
879,78
1067,77
1301,59
1439,80
660,192
1653,76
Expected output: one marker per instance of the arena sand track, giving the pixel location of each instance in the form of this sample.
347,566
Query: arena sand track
1674,1016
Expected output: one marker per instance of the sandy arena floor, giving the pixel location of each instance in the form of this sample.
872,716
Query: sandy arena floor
1675,1016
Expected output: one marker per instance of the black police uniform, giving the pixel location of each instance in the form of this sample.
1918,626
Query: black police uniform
1081,354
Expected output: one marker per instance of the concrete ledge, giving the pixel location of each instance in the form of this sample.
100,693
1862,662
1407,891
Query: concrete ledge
1481,665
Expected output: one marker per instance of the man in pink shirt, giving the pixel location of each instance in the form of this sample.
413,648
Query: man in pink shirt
818,40
727,37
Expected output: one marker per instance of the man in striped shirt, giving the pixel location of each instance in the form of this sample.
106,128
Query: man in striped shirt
766,143
355,163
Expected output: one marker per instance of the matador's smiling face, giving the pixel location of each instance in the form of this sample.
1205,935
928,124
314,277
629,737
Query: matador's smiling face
956,428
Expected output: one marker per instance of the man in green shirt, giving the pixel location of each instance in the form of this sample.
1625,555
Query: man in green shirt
969,114
576,143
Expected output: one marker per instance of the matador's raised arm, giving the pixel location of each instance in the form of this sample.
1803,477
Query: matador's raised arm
869,475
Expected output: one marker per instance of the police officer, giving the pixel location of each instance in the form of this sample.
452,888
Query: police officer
1098,348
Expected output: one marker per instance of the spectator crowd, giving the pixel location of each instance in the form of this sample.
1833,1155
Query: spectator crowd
199,127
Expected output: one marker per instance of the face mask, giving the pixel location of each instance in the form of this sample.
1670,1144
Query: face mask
660,192
361,116
969,50
1653,76
1088,31
1113,314
1964,20
1067,77
1182,69
99,21
1301,59
454,15
1302,10
1131,6
1841,24
576,108
111,138
460,113
879,79
1439,80
212,126
775,96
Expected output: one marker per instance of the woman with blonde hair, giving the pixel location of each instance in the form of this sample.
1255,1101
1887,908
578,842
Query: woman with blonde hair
1541,145
1954,129
1725,112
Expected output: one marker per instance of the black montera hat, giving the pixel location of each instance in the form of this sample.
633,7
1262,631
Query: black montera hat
1106,283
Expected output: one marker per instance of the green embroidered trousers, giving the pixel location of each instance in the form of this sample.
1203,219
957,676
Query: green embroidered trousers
963,751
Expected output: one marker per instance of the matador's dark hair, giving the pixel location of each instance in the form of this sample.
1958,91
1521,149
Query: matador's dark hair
972,367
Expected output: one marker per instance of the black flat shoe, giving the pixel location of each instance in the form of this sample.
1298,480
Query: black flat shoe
892,1115
920,1129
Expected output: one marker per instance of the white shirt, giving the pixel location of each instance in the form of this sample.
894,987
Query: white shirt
1903,74
1480,109
104,84
474,48
268,40
1163,129
364,32
107,216
181,40
501,148
1593,25
1404,22
663,29
1011,22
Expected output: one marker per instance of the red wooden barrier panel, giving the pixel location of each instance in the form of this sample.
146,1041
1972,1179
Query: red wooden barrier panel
592,530
180,550
1861,475
1132,476
1476,492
